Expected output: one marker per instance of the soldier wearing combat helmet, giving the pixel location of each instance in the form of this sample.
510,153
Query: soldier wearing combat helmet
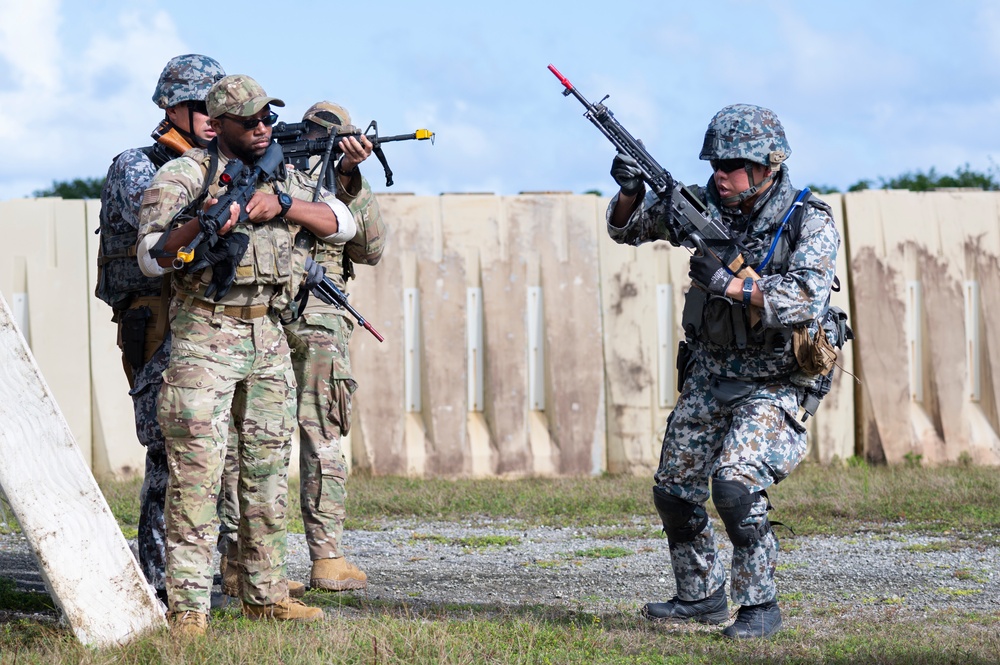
319,340
229,344
735,425
140,302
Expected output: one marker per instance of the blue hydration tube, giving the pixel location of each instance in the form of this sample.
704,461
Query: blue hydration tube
784,222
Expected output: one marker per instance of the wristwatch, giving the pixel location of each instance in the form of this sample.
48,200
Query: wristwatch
747,291
286,202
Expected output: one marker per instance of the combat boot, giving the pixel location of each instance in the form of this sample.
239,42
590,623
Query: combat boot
229,567
713,609
296,589
187,624
288,609
336,575
761,620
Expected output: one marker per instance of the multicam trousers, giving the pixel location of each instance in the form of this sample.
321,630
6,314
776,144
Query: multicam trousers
218,360
320,356
753,439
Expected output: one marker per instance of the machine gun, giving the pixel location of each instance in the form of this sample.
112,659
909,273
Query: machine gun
697,226
241,183
298,146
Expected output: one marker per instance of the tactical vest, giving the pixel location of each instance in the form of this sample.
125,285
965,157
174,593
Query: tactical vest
119,279
719,322
268,259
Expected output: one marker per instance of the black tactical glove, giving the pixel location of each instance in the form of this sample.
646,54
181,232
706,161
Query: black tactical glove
234,247
626,173
708,271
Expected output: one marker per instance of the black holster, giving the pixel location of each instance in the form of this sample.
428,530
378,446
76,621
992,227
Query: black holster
133,324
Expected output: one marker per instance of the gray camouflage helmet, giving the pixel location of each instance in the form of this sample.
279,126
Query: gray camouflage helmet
745,131
186,78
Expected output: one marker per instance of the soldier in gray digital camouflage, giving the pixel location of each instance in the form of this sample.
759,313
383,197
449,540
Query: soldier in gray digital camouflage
743,368
139,303
230,352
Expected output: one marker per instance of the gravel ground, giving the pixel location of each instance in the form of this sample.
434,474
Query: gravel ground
426,564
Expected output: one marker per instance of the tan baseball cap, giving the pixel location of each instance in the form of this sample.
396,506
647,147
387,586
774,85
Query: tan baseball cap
238,95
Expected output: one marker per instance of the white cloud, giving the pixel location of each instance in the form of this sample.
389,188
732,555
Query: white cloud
66,114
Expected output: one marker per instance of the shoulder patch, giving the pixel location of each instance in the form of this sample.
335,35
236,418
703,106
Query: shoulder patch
151,195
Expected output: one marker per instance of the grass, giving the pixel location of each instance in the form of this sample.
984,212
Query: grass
957,503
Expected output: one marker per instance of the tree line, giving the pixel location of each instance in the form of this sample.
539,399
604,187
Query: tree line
915,181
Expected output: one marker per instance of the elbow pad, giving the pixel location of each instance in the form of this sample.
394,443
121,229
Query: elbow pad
346,226
147,264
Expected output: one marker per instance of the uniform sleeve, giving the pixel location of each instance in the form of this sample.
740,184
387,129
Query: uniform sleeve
649,221
802,293
368,243
127,179
175,185
300,186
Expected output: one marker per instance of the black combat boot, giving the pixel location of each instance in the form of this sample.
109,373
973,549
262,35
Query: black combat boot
761,620
713,609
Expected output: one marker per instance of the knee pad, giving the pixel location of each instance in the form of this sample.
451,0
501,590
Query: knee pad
734,501
682,520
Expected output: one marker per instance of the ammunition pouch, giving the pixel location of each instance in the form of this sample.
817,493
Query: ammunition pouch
721,321
682,520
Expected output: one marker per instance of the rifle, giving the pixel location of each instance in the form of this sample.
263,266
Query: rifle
241,183
298,147
328,292
697,225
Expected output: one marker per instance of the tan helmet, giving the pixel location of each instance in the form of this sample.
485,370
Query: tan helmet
327,115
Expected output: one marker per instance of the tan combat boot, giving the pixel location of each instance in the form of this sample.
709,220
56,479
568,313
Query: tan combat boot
337,575
187,624
296,589
230,570
288,609
231,579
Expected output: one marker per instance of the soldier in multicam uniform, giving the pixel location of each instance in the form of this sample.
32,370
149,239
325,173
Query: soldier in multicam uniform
735,421
319,343
140,302
230,352
318,339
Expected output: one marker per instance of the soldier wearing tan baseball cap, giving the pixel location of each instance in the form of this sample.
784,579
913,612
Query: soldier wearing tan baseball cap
238,95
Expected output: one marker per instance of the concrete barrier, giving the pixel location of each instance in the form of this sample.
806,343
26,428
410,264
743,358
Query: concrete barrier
521,341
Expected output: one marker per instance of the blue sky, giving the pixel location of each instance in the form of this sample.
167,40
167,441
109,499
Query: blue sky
864,89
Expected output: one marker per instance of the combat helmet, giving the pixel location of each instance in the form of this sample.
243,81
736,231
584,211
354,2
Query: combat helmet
745,131
327,115
186,78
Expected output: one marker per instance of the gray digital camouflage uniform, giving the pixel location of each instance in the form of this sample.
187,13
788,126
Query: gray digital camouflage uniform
121,197
231,354
736,418
136,297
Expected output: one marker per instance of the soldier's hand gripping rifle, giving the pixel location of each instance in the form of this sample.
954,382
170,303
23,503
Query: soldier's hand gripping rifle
698,227
323,288
241,182
298,147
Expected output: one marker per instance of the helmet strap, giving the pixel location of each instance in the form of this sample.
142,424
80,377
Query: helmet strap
751,191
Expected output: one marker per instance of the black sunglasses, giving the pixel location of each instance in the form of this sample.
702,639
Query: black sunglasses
251,123
728,165
198,107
